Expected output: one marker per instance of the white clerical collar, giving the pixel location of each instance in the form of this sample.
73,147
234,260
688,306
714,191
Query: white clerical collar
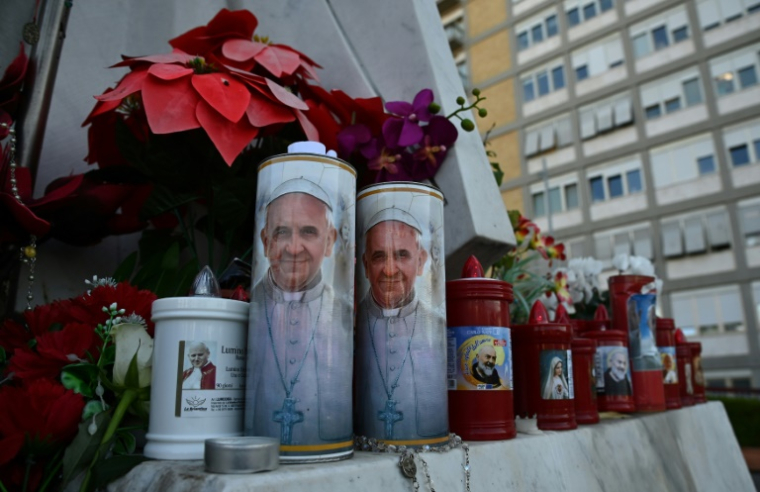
292,296
387,313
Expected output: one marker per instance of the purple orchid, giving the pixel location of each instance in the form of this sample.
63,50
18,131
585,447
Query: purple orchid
440,135
406,131
389,164
354,137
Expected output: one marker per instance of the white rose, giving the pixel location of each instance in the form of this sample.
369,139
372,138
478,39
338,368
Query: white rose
131,339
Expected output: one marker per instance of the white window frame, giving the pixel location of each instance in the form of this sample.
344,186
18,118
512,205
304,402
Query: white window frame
621,108
599,57
665,88
619,167
533,75
678,161
672,19
695,300
536,20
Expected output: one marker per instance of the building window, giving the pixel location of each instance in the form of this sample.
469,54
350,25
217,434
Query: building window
634,181
539,207
536,30
548,136
672,105
682,161
522,41
747,76
756,145
528,91
713,13
680,34
605,5
540,83
706,165
615,185
724,84
589,11
691,92
573,17
602,56
581,73
739,155
558,78
709,311
555,200
571,196
652,112
660,38
749,218
597,189
640,45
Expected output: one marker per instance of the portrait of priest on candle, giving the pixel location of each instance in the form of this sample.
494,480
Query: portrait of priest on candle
300,335
401,382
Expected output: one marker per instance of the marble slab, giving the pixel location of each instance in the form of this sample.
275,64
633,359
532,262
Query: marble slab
692,449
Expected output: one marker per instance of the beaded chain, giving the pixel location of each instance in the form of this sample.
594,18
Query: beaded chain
407,462
28,253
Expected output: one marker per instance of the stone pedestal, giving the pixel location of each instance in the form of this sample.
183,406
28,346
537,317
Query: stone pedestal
691,449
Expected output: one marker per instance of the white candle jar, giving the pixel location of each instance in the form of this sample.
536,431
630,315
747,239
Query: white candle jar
199,372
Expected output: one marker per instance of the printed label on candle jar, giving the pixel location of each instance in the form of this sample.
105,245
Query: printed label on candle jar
669,367
210,379
613,371
556,375
479,358
640,312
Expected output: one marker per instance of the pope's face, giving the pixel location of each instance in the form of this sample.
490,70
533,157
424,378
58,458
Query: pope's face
198,356
392,260
296,238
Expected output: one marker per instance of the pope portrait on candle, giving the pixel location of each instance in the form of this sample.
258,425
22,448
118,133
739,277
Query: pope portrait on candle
300,331
401,382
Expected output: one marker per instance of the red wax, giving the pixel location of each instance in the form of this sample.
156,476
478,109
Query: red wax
697,375
607,340
648,390
586,411
534,344
480,414
683,352
666,344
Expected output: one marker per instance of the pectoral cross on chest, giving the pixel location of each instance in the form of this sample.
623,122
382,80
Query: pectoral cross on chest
287,417
390,416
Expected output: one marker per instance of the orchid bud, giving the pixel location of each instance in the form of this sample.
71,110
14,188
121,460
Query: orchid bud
482,112
460,101
476,92
434,108
468,125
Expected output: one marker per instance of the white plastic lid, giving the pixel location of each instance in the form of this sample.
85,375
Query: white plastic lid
307,147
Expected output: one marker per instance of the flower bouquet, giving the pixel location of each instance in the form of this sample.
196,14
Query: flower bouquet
77,372
527,268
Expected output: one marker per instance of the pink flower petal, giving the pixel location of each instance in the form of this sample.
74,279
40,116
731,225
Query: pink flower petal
166,71
170,105
229,138
175,56
224,93
263,112
286,97
241,49
131,83
278,61
308,127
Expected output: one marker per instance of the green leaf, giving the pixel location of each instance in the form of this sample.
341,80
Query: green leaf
132,377
498,174
73,382
112,468
170,261
125,442
127,267
82,449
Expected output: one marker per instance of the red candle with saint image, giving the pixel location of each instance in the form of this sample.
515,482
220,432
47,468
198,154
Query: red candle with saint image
632,300
683,355
614,389
666,344
544,386
697,374
479,360
584,375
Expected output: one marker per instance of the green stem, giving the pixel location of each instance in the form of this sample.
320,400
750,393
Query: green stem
466,108
52,474
126,400
27,471
2,487
210,235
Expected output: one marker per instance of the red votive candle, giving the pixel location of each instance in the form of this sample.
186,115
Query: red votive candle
584,375
481,403
612,366
543,371
633,299
666,345
683,354
697,374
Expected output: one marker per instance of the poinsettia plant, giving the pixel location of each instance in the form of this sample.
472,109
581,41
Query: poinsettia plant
528,268
77,372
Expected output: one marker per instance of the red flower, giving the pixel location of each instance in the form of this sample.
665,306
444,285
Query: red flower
555,251
227,24
53,351
88,308
42,418
37,322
